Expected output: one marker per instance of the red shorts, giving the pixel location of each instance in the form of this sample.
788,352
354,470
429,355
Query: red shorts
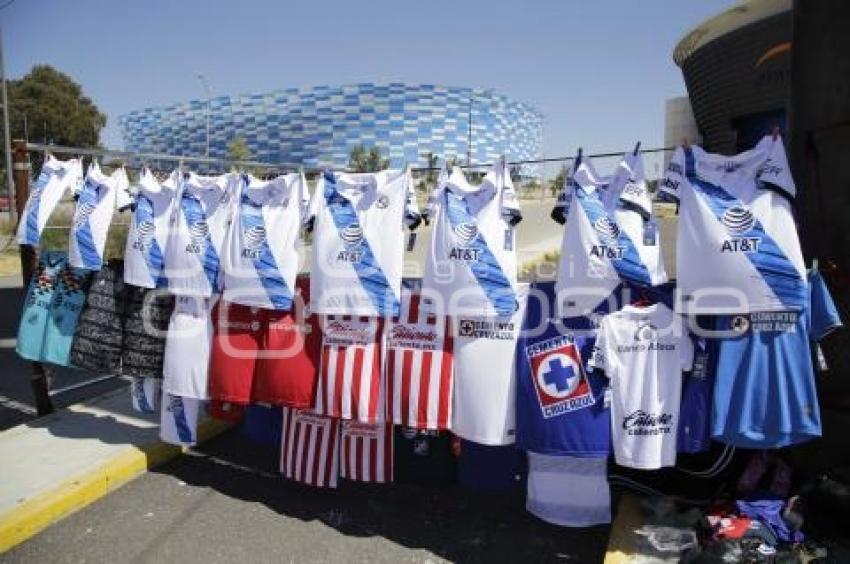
264,356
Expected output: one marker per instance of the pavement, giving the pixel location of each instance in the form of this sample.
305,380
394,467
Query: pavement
225,502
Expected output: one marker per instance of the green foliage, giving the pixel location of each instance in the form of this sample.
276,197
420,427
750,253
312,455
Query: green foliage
56,109
238,150
362,159
557,183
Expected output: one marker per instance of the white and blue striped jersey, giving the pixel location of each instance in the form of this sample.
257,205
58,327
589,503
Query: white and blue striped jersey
144,254
359,242
200,223
738,250
56,177
261,254
97,200
471,267
610,236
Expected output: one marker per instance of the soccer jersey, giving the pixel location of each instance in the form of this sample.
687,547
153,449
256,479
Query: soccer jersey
198,231
68,299
98,198
485,375
560,405
351,369
144,254
423,457
737,249
420,367
179,420
366,452
471,267
610,237
358,241
568,491
764,394
145,393
643,351
694,434
185,366
56,177
309,451
261,257
36,311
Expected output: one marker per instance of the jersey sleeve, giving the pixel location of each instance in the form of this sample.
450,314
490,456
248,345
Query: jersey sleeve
509,202
674,176
434,196
599,358
634,193
303,195
412,217
562,204
775,172
123,197
313,203
686,346
823,315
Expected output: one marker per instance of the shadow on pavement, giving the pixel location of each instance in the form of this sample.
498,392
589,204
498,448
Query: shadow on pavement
452,523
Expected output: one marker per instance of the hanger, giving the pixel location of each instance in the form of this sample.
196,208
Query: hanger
637,148
775,132
578,158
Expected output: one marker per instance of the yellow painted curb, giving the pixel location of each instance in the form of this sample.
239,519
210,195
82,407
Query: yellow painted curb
621,547
33,515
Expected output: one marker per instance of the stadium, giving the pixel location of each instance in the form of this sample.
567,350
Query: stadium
319,126
737,69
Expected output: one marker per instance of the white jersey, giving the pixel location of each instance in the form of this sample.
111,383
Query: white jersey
260,258
568,491
97,200
55,179
358,242
485,378
199,228
737,249
610,237
643,351
471,267
188,344
144,255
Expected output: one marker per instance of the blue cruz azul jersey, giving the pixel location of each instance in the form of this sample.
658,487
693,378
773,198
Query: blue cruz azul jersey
560,403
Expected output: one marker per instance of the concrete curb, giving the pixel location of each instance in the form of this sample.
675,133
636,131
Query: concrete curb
35,514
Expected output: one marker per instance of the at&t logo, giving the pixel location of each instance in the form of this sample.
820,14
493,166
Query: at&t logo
609,234
739,221
144,235
198,233
253,240
352,240
465,234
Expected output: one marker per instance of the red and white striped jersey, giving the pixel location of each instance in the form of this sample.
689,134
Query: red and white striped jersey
366,452
309,448
420,368
351,372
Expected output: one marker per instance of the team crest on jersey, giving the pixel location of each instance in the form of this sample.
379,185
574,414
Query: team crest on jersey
352,239
466,234
609,234
198,233
144,235
559,378
253,240
738,221
382,202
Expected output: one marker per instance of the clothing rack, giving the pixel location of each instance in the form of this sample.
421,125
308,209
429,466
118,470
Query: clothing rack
127,155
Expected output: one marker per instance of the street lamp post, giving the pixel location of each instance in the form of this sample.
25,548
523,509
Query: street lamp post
206,86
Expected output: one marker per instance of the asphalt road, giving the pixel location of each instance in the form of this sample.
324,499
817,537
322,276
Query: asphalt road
226,503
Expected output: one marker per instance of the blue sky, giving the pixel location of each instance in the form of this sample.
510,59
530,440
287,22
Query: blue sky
599,70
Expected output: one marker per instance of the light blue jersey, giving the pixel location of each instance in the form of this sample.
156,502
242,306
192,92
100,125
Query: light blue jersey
765,394
36,310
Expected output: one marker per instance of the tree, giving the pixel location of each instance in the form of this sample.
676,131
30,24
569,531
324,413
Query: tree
362,159
46,105
238,150
557,183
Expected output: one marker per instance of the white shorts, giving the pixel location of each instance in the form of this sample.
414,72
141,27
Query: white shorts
179,420
187,348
